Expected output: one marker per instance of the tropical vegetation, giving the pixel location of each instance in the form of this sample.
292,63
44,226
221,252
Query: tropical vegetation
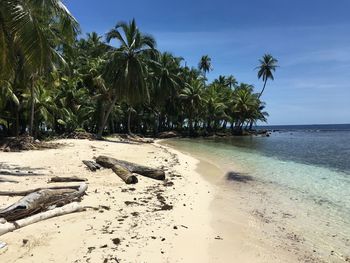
52,80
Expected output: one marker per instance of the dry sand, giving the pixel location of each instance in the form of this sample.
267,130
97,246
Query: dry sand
130,225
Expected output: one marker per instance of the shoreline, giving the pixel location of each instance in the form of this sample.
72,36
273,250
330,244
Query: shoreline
240,233
271,222
203,213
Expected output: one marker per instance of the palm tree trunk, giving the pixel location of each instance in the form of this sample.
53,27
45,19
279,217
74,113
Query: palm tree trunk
105,119
32,110
190,124
129,121
155,124
17,122
262,89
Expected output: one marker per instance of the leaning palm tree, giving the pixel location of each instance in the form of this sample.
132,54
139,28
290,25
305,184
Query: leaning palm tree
205,65
127,67
268,64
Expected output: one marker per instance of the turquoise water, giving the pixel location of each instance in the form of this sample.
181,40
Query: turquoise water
303,174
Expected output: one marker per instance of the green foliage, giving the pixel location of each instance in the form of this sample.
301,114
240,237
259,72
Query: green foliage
52,82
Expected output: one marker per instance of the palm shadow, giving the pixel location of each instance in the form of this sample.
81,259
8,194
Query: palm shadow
238,177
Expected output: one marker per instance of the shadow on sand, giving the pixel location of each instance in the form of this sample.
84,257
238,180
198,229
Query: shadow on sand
238,177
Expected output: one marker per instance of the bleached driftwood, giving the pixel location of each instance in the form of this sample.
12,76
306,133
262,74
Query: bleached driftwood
5,180
153,173
27,192
135,138
67,209
40,201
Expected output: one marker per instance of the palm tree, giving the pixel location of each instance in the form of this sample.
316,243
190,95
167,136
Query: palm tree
214,106
192,97
231,81
127,67
221,80
205,65
30,34
268,64
244,105
165,80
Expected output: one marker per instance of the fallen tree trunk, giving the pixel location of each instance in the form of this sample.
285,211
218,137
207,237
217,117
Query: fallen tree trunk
125,174
122,172
58,179
4,180
92,165
133,168
40,201
27,192
67,209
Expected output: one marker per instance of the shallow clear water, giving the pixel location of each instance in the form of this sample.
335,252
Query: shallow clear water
306,172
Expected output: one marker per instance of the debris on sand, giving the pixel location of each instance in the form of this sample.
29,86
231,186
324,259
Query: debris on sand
116,241
25,143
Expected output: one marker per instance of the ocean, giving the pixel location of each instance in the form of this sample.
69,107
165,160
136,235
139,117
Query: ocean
299,178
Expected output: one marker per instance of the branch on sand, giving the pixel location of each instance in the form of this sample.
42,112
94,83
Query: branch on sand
58,179
27,192
5,180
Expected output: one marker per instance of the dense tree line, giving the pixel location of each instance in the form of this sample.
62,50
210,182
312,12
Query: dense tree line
52,81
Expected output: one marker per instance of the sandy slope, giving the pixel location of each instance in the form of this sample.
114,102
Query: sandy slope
146,235
190,232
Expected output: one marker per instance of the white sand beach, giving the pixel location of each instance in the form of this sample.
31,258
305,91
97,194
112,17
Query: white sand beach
137,231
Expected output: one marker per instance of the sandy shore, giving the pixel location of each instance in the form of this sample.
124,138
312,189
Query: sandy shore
198,228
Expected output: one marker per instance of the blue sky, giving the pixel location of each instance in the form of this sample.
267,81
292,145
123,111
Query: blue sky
310,38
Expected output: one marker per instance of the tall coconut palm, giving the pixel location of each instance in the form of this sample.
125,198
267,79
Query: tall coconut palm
268,65
205,65
31,32
127,67
165,80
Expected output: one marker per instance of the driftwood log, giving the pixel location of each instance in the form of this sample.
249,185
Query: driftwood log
133,168
41,201
27,192
18,173
58,179
67,209
5,180
122,172
93,166
135,138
